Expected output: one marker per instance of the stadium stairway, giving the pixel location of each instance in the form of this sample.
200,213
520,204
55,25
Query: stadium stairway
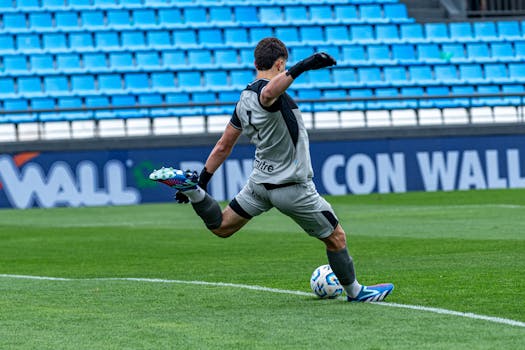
99,53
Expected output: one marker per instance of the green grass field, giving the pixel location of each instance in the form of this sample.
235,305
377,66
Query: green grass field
459,251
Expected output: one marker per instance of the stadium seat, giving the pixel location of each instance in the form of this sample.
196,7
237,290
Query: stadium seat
312,35
453,52
28,42
118,19
502,52
323,14
195,15
344,77
428,53
256,34
246,14
53,4
320,78
68,62
396,13
147,60
92,19
404,53
67,20
395,75
83,84
158,39
460,31
54,42
299,52
421,75
185,38
81,41
94,61
15,64
7,43
387,33
519,50
436,32
56,85
485,31
15,22
42,63
412,33
369,75
362,33
120,61
17,105
471,73
332,50
45,103
133,39
136,82
200,58
189,81
110,83
354,54
517,72
80,4
226,58
162,81
509,30
379,54
7,87
216,79
69,102
107,40
446,74
235,36
144,18
241,78
210,37
477,52
289,35
344,14
174,58
170,17
296,15
220,15
495,73
371,13
39,21
28,4
336,34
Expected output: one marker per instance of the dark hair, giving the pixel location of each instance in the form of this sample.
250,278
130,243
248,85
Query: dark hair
268,50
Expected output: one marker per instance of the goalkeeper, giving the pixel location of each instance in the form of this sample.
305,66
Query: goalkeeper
282,172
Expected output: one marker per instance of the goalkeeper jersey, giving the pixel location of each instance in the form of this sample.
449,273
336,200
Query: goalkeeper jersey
282,152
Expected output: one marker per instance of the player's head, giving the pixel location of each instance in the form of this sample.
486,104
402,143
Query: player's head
270,52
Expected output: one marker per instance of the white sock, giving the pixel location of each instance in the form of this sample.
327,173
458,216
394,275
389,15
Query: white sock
195,195
352,290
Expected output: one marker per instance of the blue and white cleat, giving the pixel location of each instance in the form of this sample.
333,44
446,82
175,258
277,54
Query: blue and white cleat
373,293
178,179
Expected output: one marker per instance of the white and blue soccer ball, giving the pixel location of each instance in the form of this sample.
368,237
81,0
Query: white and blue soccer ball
324,283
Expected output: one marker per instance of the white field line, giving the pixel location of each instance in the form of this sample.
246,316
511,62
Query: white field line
500,320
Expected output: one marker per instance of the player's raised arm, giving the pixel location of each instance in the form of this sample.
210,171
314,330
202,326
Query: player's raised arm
283,80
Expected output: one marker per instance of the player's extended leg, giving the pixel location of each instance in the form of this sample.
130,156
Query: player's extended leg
221,223
343,266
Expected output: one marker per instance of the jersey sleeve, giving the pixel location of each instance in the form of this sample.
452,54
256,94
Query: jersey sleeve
258,88
235,121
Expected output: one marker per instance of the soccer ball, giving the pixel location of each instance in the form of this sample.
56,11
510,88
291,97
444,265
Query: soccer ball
324,283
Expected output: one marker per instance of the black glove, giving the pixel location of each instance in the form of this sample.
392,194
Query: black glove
316,61
204,178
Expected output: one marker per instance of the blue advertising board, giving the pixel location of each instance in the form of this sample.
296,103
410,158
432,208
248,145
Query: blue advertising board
117,177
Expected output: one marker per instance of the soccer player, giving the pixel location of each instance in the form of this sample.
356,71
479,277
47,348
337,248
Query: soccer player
282,172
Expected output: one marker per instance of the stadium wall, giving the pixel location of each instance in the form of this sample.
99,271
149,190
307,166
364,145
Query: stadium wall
114,171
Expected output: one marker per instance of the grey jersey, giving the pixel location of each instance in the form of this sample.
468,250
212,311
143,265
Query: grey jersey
279,135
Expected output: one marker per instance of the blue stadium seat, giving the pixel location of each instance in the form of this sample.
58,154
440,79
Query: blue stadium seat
322,14
256,34
185,38
107,40
210,37
53,4
421,75
345,14
68,63
181,98
118,18
150,99
453,52
94,61
235,36
387,104
289,35
133,39
460,31
189,81
387,33
336,34
509,30
412,91
195,15
379,54
360,93
471,73
174,58
299,52
412,33
519,49
119,61
271,14
396,12
241,78
7,43
478,52
217,80
67,20
15,22
344,77
200,58
54,41
170,17
513,100
136,82
436,32
70,102
502,52
104,3
395,75
45,103
371,13
362,33
110,83
485,31
488,101
354,54
56,85
163,81
158,39
332,50
517,72
83,84
16,64
144,18
429,53
246,14
320,78
7,87
495,73
92,19
81,41
42,63
28,4
296,14
221,15
28,42
312,35
17,105
147,60
438,103
40,20
80,4
226,58
446,74
404,53
369,75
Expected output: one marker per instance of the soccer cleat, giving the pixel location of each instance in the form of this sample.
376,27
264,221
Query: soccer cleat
178,179
373,293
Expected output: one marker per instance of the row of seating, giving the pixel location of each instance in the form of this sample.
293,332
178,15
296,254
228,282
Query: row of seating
235,80
110,40
203,59
36,5
202,16
149,99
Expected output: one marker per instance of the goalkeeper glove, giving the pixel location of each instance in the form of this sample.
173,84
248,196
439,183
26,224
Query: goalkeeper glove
316,61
